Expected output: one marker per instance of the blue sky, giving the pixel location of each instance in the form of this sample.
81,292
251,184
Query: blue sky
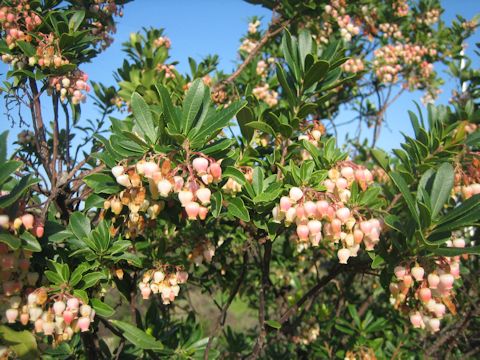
198,28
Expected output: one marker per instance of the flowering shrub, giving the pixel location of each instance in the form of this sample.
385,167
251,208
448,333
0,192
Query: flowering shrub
224,200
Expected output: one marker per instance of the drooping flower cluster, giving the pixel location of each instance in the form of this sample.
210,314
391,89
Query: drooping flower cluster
248,45
312,135
325,216
168,70
425,291
148,184
14,271
17,20
162,41
467,180
59,315
401,8
23,222
164,282
390,60
429,17
253,27
72,86
353,65
203,251
390,31
264,93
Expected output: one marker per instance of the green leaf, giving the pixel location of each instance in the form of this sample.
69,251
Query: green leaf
27,48
80,225
236,174
381,158
22,343
316,72
60,236
81,294
137,337
257,183
287,89
451,251
143,117
168,109
3,146
30,242
91,279
273,324
192,105
244,117
259,125
442,187
101,308
102,183
12,241
7,169
217,199
76,20
17,192
407,195
236,207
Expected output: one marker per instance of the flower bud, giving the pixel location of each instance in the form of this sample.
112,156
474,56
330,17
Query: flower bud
83,323
200,165
59,307
118,171
124,180
216,171
28,221
418,272
425,294
192,209
302,232
203,195
164,187
343,255
11,315
4,221
185,197
295,194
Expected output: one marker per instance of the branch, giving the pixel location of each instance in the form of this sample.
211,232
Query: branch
276,26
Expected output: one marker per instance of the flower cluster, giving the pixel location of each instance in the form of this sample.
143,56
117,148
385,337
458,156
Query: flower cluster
72,86
17,20
168,70
26,222
390,60
430,17
105,26
401,8
347,28
253,27
353,65
192,189
390,31
425,291
162,41
203,251
467,180
14,271
264,93
161,281
59,315
248,45
324,215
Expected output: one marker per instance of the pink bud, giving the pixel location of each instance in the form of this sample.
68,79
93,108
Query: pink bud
407,280
146,291
39,325
322,208
357,236
202,212
341,183
178,183
192,210
124,180
400,272
215,170
360,175
285,203
290,215
366,227
343,255
83,323
434,324
446,281
416,320
295,194
439,310
314,226
302,232
455,269
200,164
301,213
48,328
185,197
73,304
39,230
28,221
182,277
59,307
24,318
149,168
330,185
68,317
164,187
418,272
343,214
459,243
347,172
11,315
204,195
433,281
425,294
336,226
